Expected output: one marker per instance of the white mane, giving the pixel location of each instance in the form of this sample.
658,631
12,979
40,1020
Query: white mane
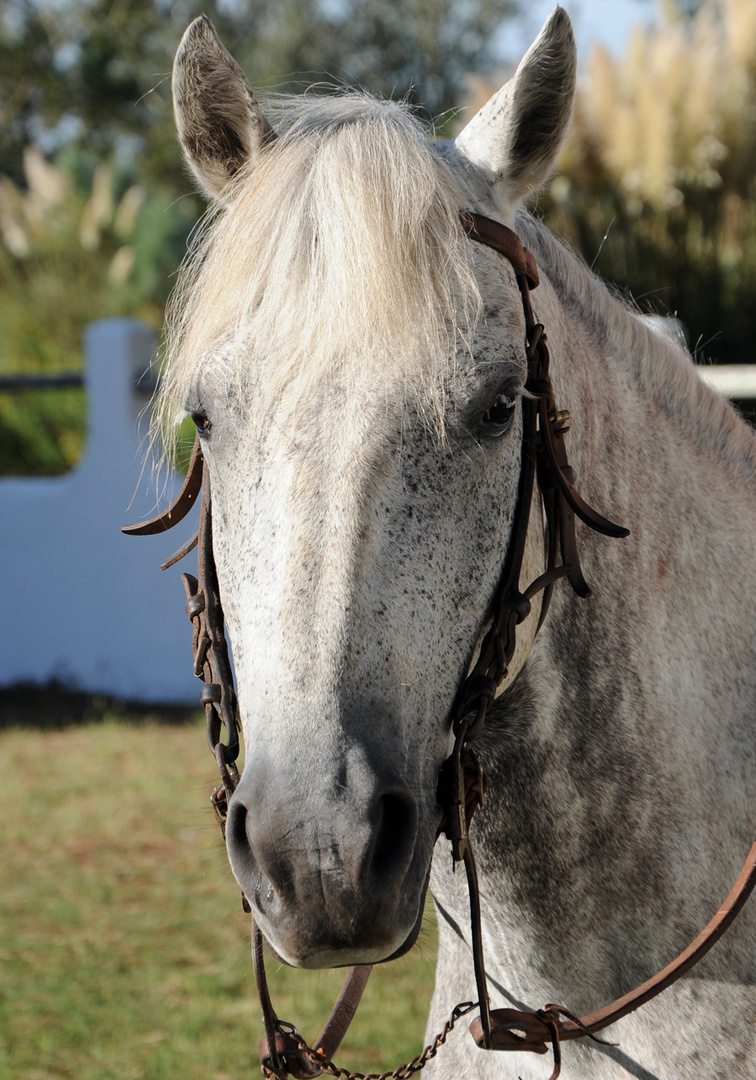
340,248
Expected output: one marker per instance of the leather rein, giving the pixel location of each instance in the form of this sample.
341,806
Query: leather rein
462,781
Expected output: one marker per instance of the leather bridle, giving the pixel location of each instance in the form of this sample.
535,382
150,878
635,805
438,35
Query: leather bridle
462,782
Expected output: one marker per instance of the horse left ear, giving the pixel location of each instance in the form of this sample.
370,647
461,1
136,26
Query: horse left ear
516,136
219,123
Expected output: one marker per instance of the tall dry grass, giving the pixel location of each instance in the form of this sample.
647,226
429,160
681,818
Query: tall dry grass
656,185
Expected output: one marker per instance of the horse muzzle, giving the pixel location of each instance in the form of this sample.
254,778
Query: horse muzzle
335,870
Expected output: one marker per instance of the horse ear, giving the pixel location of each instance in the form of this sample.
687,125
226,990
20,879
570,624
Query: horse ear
516,136
220,125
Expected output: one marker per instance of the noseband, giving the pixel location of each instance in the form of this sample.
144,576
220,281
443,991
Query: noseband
462,781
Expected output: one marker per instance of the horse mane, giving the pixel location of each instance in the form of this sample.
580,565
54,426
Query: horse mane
337,254
656,362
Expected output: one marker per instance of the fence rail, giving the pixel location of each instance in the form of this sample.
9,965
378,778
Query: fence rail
60,380
144,383
736,381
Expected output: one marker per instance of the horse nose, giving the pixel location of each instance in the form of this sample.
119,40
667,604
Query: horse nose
369,848
323,871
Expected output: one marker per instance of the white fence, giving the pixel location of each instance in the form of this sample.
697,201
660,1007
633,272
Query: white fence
733,380
82,602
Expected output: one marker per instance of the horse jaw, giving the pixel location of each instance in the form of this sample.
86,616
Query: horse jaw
513,141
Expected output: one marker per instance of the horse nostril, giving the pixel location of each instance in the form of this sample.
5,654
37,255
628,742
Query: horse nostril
395,833
237,840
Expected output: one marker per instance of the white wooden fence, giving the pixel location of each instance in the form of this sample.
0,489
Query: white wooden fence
733,380
81,602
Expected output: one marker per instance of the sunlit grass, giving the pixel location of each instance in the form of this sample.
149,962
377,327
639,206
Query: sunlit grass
124,952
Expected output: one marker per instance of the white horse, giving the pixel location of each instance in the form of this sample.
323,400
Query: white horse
355,366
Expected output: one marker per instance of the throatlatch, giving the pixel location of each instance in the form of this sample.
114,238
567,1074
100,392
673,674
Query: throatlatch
462,781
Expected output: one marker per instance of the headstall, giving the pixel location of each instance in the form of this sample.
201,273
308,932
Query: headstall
462,782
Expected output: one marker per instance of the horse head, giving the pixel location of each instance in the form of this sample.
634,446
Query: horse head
355,367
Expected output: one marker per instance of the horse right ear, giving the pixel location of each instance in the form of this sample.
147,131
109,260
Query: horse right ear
219,123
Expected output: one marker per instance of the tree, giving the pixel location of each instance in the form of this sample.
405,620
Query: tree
96,74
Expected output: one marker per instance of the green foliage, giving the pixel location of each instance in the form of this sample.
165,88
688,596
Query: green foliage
125,952
421,49
96,74
41,431
72,251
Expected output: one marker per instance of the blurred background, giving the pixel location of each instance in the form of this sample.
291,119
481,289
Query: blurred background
123,949
655,187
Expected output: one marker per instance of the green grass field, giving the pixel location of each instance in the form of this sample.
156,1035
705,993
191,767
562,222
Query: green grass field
124,952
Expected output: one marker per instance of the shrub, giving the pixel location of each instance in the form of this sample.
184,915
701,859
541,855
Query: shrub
70,253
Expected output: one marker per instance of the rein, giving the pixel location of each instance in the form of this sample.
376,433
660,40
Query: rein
462,781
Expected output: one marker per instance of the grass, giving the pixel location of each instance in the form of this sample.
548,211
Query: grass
124,952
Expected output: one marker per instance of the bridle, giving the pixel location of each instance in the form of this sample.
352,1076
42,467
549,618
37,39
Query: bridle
462,781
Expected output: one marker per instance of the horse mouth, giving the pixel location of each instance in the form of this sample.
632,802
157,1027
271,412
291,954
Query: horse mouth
415,931
341,886
352,929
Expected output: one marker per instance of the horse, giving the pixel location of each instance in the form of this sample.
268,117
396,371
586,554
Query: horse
355,365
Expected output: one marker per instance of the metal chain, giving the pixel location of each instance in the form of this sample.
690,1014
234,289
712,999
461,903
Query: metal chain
403,1072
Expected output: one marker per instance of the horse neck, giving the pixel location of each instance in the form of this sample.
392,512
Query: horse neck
654,448
600,828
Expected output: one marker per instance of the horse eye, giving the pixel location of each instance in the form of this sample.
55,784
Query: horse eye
498,415
201,422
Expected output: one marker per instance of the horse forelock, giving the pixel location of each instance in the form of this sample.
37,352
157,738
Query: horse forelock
339,254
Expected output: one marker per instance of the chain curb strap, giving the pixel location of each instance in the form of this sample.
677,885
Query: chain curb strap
319,1062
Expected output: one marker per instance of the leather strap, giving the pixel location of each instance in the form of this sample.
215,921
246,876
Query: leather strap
181,505
342,1013
515,1030
543,457
503,240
